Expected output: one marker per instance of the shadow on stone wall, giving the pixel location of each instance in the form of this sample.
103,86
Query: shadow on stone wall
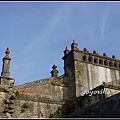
79,103
107,108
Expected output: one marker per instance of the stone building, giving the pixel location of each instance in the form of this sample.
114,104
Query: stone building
88,79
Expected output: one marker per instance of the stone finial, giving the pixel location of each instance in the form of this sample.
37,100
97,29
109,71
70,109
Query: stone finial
74,46
7,52
85,50
54,66
104,54
94,52
73,41
66,51
113,56
54,72
6,64
66,48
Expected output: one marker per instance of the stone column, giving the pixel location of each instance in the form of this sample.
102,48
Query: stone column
6,65
6,89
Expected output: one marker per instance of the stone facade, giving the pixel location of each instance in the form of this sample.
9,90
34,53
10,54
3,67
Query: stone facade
58,96
107,108
87,70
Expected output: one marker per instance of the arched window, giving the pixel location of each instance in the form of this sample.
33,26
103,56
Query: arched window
95,60
119,66
90,59
115,65
105,62
84,58
101,61
111,64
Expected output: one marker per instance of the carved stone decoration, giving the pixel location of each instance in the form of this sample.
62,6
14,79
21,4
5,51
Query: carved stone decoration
113,56
85,49
94,52
54,72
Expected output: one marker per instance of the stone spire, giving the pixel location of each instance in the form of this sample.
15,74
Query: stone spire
74,46
54,72
6,64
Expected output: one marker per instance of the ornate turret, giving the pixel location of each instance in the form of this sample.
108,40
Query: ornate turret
6,64
54,72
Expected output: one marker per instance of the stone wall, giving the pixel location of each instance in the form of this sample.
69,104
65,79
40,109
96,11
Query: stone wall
70,74
7,98
50,88
86,70
36,109
90,76
107,108
40,99
2,105
84,101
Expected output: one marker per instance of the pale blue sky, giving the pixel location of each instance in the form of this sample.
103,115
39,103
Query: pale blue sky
38,32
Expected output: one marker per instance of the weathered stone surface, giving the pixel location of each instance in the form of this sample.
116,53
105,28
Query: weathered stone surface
107,108
58,96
